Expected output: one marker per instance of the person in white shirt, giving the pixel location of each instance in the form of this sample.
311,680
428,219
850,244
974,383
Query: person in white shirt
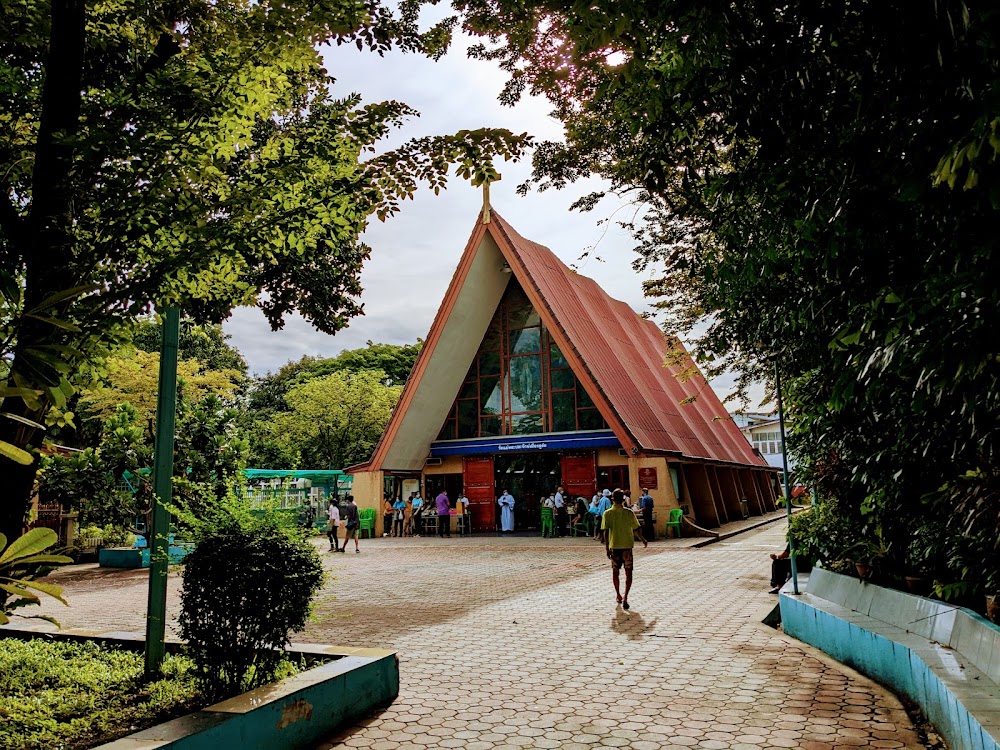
462,504
562,517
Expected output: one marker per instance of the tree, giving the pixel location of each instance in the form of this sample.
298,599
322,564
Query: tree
394,360
336,421
206,343
190,154
133,379
267,395
818,183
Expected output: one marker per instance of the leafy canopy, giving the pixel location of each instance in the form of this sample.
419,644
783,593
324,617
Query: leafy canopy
817,184
189,154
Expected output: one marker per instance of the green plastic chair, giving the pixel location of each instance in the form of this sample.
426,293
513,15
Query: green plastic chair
582,527
674,521
366,517
548,522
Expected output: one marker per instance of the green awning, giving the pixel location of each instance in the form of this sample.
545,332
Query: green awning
316,475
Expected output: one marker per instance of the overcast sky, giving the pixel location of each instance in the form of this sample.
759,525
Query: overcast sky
415,253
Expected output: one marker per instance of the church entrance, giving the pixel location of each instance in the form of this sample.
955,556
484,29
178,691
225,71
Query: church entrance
529,477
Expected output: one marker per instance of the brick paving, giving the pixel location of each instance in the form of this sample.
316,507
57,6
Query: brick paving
517,643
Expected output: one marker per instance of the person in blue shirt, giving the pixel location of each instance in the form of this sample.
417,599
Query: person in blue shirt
646,506
418,511
397,516
602,505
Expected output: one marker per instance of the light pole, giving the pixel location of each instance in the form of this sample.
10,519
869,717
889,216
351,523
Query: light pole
784,468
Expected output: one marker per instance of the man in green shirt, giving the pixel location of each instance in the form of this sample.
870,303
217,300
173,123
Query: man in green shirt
620,528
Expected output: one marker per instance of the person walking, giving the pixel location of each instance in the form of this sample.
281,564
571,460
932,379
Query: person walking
444,514
332,522
646,506
353,522
620,528
506,501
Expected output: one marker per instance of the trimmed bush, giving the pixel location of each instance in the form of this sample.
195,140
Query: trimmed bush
246,588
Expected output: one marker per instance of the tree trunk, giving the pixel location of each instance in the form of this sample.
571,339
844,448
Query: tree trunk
47,243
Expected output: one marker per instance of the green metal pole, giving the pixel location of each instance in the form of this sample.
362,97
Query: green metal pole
784,466
163,470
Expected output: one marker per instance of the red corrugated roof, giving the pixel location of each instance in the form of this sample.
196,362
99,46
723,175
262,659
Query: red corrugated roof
624,354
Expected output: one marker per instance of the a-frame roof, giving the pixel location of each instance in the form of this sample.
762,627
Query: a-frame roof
618,356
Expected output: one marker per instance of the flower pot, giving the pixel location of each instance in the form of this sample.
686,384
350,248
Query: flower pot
993,608
863,570
919,585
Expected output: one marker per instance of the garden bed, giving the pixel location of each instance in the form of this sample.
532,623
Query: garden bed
76,695
86,688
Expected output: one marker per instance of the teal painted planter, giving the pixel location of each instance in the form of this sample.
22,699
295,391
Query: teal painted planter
945,659
295,713
137,557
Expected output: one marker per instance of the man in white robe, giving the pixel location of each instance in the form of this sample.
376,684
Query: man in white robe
506,502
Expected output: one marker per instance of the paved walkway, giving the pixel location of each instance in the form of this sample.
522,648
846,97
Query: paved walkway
517,642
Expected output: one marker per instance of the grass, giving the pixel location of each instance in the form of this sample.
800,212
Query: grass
63,695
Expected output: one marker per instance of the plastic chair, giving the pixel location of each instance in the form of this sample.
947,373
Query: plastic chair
366,517
674,521
582,527
548,522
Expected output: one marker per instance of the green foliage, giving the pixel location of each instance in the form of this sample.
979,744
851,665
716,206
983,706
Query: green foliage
267,404
133,377
246,587
817,184
21,565
209,455
396,361
336,420
190,154
57,694
206,343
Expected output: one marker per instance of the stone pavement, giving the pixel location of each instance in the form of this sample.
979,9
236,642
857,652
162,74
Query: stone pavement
517,642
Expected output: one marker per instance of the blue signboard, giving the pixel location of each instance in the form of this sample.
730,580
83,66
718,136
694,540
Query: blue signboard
521,443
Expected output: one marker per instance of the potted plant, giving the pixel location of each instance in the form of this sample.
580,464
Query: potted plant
867,555
924,556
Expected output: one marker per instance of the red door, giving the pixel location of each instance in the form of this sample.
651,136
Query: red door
579,475
480,489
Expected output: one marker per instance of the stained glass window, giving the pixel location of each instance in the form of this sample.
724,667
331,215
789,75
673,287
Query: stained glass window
520,383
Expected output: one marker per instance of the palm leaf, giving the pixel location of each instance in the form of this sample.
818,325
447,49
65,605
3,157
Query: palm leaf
19,591
46,588
15,454
31,543
58,559
22,420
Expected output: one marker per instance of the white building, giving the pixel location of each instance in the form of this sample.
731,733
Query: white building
764,434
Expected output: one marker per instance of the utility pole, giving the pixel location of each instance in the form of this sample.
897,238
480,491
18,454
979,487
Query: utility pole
163,470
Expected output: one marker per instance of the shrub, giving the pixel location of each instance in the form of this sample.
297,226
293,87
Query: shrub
246,587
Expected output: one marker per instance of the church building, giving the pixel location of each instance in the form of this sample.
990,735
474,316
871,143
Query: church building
533,377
